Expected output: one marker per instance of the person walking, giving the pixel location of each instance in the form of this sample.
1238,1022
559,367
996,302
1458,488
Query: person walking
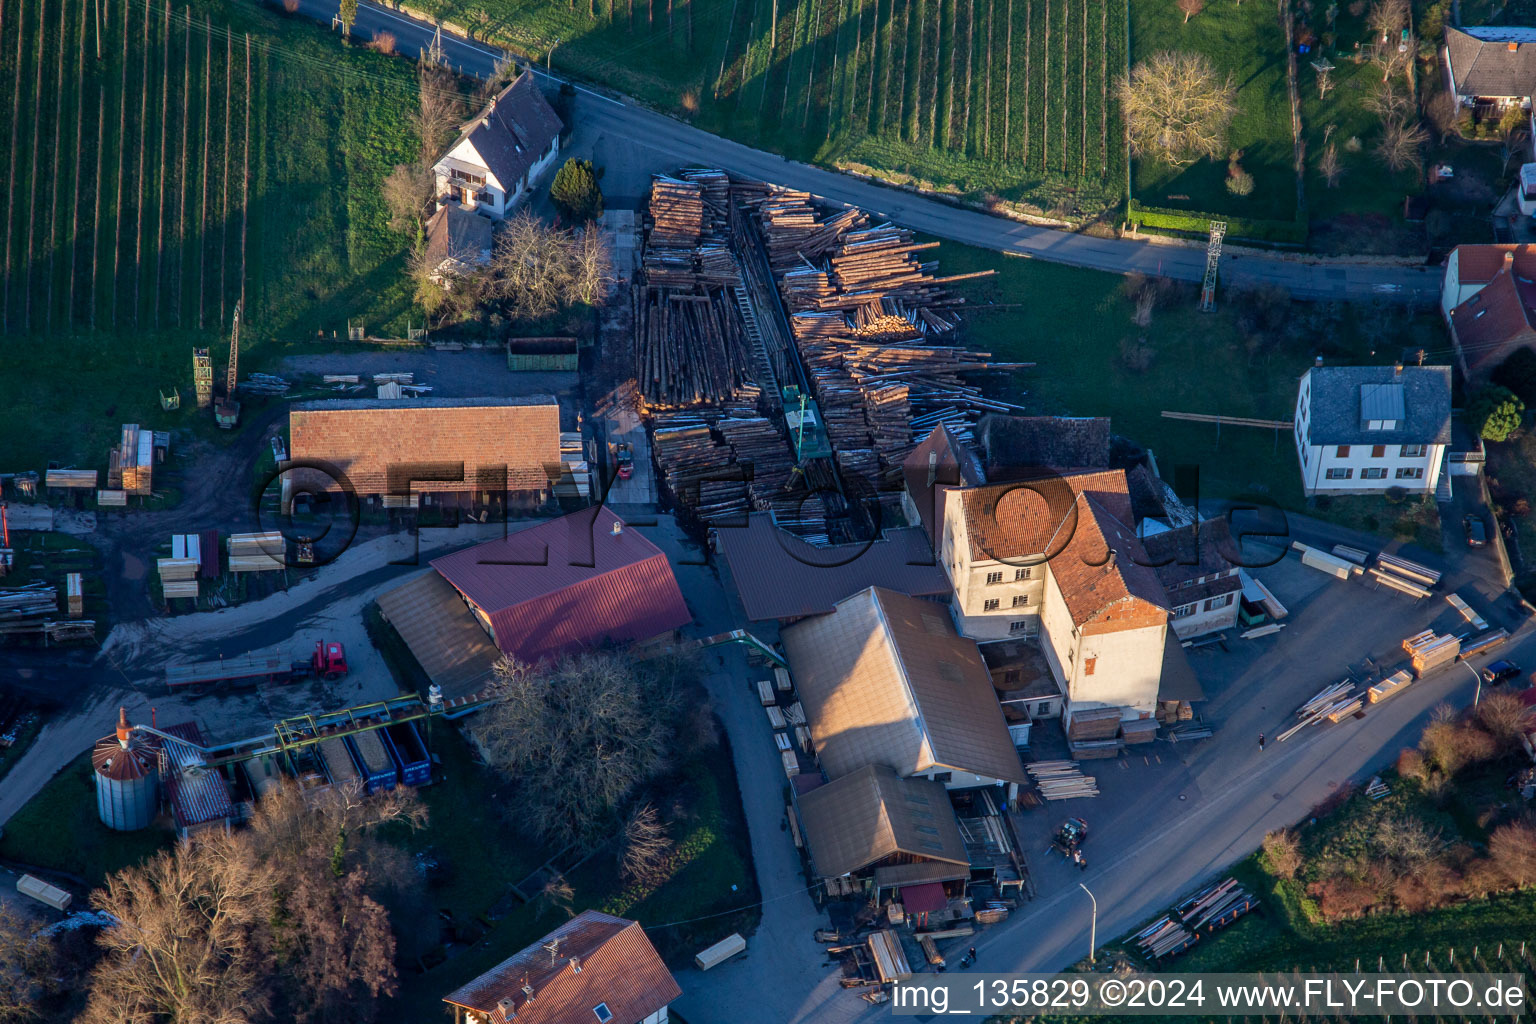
1082,862
1261,742
971,953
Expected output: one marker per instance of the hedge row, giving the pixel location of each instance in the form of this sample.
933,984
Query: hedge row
1283,231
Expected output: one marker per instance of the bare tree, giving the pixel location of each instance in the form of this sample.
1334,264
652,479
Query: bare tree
1402,141
1324,82
24,967
1191,8
189,947
646,845
502,72
578,738
556,895
1146,302
406,191
533,267
1512,848
1283,851
439,110
1329,167
1393,61
1505,717
382,42
594,266
1177,108
1387,19
1441,111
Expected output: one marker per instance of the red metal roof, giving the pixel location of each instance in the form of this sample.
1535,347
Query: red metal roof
568,583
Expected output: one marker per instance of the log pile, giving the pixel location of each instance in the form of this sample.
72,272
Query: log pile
676,213
1332,703
1211,908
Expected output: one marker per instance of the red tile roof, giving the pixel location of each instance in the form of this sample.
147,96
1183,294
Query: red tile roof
1490,325
955,466
568,583
1103,575
597,959
1031,517
368,439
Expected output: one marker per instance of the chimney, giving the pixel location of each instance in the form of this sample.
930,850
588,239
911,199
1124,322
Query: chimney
1513,46
618,527
1397,369
508,1008
1509,258
1318,361
527,990
576,964
122,728
933,468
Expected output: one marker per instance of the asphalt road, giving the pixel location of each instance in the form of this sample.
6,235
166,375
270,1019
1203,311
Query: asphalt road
1304,277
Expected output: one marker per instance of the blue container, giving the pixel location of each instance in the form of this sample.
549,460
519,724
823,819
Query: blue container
409,752
373,760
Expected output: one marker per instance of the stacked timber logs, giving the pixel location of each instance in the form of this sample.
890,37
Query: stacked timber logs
1211,908
1331,703
676,213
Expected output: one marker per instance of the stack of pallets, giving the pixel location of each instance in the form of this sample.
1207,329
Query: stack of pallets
1430,650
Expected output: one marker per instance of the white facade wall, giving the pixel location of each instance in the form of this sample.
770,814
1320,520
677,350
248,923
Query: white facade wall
972,591
1205,619
1453,291
1127,671
504,196
659,1017
1317,459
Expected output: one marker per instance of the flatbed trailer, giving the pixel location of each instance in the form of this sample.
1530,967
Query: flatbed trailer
243,670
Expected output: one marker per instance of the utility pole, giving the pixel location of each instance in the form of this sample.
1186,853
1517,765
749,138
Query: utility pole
1093,925
549,58
1477,695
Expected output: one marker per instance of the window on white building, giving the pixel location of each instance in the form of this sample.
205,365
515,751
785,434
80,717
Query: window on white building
1020,600
1411,473
1413,451
1184,611
1218,602
1342,474
994,577
1374,473
1021,574
991,604
1018,626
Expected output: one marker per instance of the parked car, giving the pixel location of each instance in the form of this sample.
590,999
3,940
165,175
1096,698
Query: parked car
626,460
1477,534
1499,671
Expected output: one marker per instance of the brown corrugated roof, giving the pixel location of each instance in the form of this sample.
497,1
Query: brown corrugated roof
569,583
470,440
1024,518
956,466
442,633
780,576
597,959
873,813
885,679
1103,575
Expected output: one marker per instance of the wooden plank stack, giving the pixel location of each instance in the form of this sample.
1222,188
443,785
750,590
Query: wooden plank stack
1483,643
1429,650
1332,702
1395,683
256,552
1061,780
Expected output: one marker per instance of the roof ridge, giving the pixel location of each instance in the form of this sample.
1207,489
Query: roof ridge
893,646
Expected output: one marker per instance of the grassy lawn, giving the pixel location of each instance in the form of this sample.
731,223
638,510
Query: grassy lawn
1072,324
58,829
1413,520
139,259
711,873
1247,42
1005,98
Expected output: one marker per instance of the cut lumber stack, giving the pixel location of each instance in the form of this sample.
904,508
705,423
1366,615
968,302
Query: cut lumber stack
34,599
257,552
74,594
1395,683
1422,575
1214,907
1466,612
1429,650
1484,643
1061,780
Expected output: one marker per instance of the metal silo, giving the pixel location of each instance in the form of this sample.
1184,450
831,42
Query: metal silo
125,769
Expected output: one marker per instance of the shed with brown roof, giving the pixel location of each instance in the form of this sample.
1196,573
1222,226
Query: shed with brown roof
440,445
886,679
593,969
873,818
441,631
578,581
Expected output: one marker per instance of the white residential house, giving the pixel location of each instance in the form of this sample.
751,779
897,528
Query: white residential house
1490,67
1364,429
502,153
1055,558
1198,566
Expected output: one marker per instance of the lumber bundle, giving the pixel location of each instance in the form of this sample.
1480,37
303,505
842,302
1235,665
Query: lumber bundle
675,213
1061,780
1423,575
257,552
1484,643
1430,650
1213,907
32,600
1332,702
1394,683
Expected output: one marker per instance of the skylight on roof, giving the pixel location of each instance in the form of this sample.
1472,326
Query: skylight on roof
604,1015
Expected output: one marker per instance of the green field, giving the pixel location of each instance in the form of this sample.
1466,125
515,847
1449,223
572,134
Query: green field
163,161
1008,98
1073,324
1246,41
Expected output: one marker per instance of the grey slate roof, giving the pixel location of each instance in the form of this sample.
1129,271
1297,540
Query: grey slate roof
513,130
1482,64
1336,405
